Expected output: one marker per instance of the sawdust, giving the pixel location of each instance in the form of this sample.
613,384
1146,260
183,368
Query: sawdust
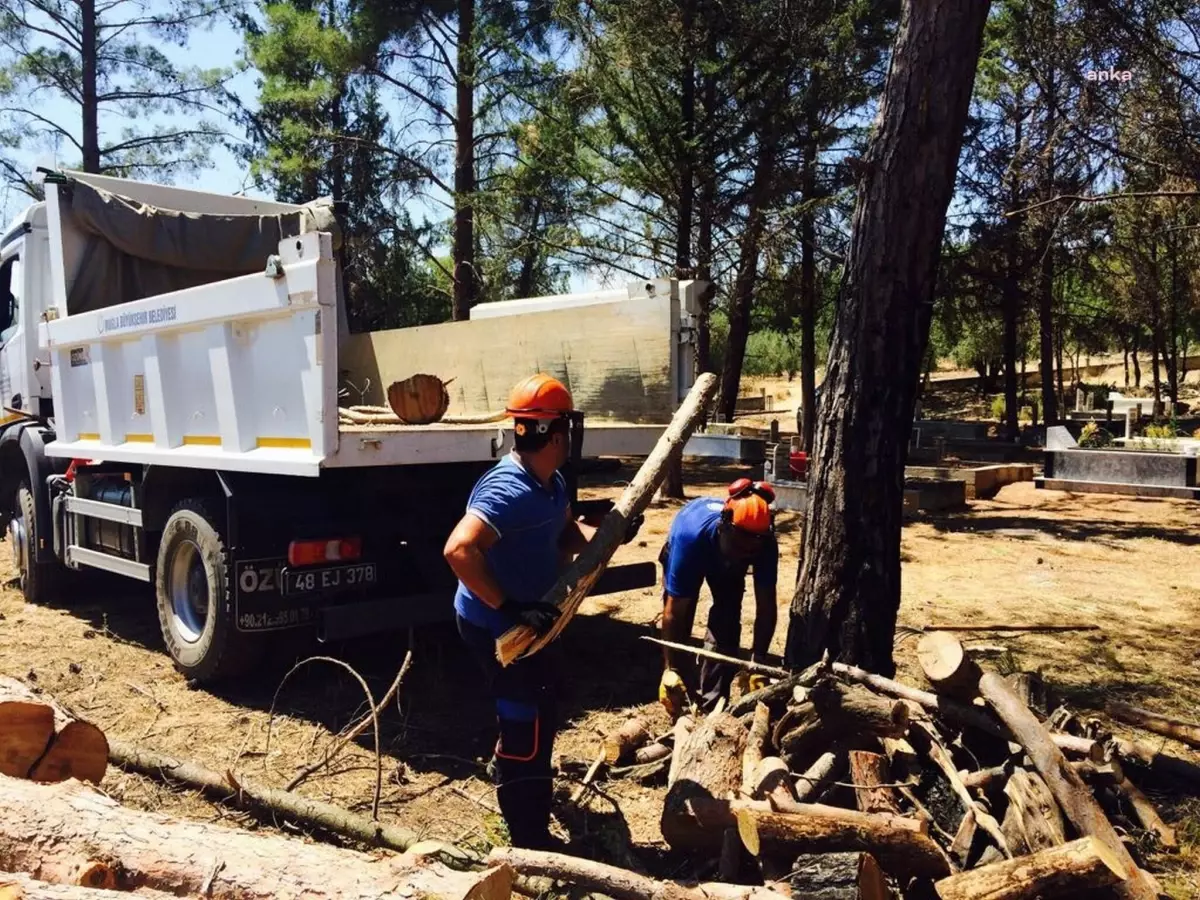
1125,564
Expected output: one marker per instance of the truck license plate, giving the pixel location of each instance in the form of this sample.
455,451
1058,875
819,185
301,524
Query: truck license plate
327,580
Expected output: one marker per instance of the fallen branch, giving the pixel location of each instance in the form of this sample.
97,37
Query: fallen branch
1000,626
19,886
1069,870
356,730
1176,729
620,884
573,585
761,669
370,705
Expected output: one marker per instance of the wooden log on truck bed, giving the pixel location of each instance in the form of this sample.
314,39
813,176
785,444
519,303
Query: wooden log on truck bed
1068,870
838,876
1177,729
48,828
1073,796
620,884
570,589
73,749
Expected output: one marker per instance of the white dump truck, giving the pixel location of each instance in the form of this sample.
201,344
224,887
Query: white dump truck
172,368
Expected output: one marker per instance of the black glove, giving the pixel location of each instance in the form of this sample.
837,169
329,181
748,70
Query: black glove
539,616
633,527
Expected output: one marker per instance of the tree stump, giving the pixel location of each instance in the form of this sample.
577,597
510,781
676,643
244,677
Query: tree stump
706,764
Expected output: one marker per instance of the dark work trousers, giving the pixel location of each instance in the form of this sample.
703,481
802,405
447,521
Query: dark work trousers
723,634
525,710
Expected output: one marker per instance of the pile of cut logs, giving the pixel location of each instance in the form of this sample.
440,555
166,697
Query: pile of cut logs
837,784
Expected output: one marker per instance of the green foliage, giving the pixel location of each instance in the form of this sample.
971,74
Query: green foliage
1165,431
1093,436
45,104
998,407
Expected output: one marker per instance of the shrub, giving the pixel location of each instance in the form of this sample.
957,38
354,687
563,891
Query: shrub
1094,436
998,407
1160,432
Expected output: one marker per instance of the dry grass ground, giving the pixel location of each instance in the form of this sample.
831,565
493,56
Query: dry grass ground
1127,565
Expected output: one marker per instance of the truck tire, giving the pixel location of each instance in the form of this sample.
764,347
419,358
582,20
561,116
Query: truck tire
195,597
37,580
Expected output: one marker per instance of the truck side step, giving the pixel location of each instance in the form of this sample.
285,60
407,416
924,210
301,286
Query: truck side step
112,512
77,555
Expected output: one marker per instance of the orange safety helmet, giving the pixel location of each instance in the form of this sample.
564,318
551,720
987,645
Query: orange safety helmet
540,396
749,506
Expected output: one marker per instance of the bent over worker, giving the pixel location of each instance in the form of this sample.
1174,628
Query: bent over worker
718,542
507,552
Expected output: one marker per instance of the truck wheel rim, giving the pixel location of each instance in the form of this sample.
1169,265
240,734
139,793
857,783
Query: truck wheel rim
16,539
189,592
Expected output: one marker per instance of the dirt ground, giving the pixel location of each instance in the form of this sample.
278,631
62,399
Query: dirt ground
1128,565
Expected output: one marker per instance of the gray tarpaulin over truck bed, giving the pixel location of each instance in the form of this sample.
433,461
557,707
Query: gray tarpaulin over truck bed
134,250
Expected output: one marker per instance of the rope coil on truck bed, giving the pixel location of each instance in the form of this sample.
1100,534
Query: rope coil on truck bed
381,415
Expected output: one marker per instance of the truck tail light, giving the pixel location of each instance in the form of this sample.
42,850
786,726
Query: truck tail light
310,553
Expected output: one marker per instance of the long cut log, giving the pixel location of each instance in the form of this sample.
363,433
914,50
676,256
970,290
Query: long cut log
819,777
960,713
1177,729
1145,812
73,749
838,876
834,711
1073,796
902,852
620,884
45,829
1068,870
625,741
570,589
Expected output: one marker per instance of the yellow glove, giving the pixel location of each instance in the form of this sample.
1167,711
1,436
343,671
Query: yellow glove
758,682
672,694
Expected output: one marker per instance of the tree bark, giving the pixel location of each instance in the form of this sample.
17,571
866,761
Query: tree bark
19,886
570,589
835,711
870,774
1032,821
1177,729
808,264
43,741
1065,871
849,588
90,105
465,275
620,884
756,744
47,829
838,876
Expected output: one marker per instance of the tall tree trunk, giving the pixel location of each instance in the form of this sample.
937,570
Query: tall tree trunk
1154,285
672,483
1137,364
808,265
1050,411
1012,288
747,276
90,105
465,277
1060,328
849,587
706,211
1173,373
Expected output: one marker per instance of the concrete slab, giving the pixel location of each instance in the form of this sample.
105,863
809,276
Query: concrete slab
1122,467
1128,490
732,447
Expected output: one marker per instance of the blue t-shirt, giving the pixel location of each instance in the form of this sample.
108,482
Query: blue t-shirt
694,555
528,519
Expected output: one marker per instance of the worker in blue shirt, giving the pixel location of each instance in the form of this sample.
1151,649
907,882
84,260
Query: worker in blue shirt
717,542
507,552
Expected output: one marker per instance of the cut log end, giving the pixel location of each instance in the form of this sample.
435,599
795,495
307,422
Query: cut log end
419,400
625,742
946,664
